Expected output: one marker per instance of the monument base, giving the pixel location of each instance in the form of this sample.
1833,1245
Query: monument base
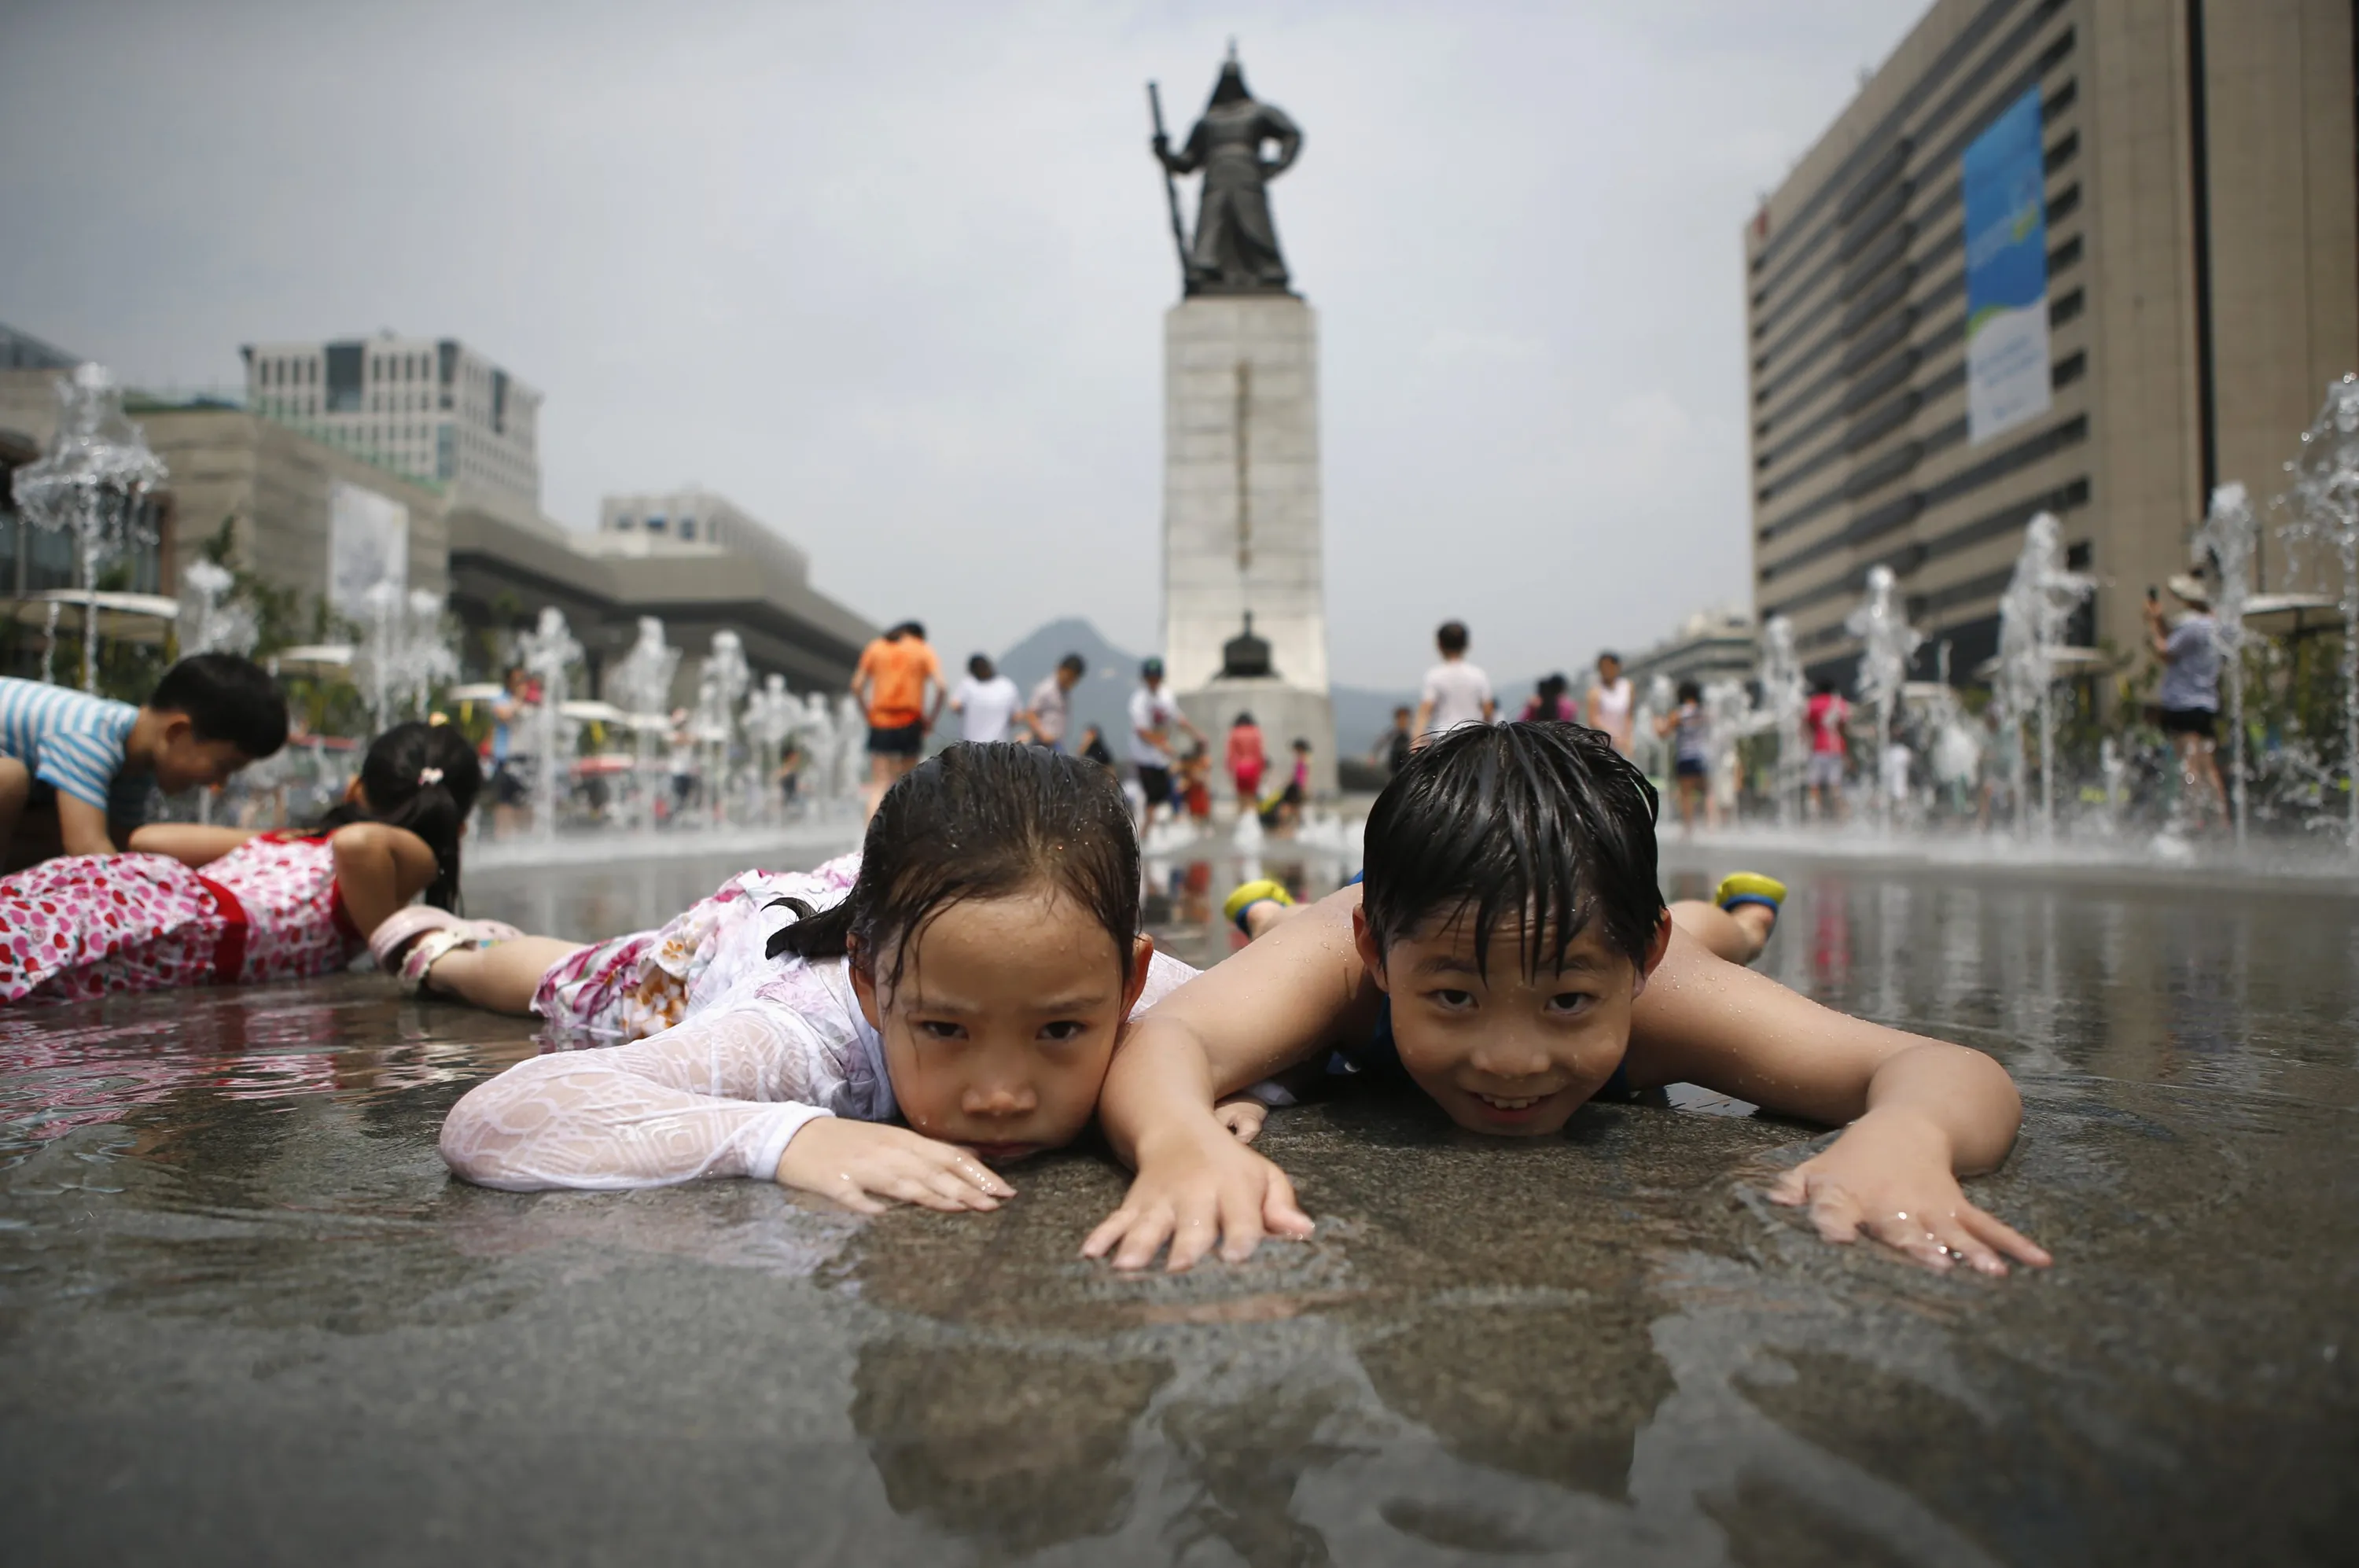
1284,712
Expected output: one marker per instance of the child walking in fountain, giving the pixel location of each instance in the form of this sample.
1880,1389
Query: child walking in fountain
1509,950
197,906
1689,728
972,981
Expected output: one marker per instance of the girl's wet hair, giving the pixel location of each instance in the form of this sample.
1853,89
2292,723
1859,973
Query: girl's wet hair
1543,827
982,821
423,778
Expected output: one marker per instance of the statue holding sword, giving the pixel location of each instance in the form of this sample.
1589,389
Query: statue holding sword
1235,248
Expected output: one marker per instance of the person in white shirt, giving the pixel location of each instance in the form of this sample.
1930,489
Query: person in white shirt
1152,714
1456,692
1050,714
984,701
1611,702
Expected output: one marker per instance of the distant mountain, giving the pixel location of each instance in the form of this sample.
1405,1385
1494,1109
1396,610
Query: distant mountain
1103,696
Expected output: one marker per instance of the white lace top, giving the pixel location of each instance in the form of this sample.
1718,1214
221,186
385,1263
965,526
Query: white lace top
719,1094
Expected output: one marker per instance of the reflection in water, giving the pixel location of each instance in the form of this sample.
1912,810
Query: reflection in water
1013,1449
1601,1346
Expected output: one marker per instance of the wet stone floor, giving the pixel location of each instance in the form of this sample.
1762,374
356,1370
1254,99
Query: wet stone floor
245,1317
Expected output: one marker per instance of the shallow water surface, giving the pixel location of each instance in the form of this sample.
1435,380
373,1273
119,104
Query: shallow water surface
245,1317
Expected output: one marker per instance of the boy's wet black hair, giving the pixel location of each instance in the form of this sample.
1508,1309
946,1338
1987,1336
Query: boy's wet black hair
982,821
226,697
1690,690
1541,825
423,778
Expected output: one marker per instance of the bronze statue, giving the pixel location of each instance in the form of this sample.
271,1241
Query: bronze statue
1235,249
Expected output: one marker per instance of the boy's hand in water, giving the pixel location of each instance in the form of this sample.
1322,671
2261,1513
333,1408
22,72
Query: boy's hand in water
1887,1176
1195,1189
856,1163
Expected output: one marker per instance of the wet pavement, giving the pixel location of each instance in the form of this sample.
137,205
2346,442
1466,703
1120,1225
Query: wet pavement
245,1317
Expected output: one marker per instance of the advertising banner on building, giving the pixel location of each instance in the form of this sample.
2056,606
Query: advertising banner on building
368,543
2005,191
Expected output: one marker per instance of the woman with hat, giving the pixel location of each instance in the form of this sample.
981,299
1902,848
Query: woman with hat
2189,695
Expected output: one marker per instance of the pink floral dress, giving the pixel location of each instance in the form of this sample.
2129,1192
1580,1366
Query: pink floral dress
628,987
87,925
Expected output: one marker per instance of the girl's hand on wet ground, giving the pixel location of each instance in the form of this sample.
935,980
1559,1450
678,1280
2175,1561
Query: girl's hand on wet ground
1242,1116
1197,1191
1883,1179
857,1164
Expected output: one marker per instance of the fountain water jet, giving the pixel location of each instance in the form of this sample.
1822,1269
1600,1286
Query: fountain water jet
405,654
1784,695
2227,536
548,652
209,621
771,712
2033,614
1887,642
2325,497
643,680
721,683
95,482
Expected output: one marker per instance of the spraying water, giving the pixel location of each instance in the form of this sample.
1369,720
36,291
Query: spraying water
721,683
771,712
1660,699
94,482
209,621
849,723
1785,695
1887,642
1728,716
405,653
2227,536
2033,616
548,651
2325,498
643,681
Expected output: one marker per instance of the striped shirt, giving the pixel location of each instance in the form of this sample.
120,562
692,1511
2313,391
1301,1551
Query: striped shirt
73,742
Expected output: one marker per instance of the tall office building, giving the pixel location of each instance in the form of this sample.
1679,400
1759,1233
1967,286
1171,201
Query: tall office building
2145,215
431,409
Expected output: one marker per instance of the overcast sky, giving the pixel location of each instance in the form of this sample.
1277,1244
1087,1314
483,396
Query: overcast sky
893,276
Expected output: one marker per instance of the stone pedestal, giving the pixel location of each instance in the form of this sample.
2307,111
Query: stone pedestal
1240,516
1283,712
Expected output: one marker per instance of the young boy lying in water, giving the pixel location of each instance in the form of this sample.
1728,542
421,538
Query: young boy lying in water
1509,944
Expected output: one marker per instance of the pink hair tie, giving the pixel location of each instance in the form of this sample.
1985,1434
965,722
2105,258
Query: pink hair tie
429,776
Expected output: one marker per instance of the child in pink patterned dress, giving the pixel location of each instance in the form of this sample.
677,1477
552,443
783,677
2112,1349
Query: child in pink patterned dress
199,905
971,978
624,988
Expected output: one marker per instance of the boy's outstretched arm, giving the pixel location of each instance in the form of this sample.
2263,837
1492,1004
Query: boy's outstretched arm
1919,1112
1289,994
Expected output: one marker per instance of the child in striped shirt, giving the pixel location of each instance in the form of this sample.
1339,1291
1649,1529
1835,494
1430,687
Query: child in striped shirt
76,771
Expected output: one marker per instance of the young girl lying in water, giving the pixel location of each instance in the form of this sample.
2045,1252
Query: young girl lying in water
199,905
972,982
1509,948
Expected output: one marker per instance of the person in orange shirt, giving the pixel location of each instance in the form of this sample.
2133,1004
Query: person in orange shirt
890,683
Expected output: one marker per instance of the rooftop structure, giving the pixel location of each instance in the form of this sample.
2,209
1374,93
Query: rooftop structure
430,409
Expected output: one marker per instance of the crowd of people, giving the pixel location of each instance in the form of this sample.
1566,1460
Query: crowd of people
973,986
1167,770
1961,771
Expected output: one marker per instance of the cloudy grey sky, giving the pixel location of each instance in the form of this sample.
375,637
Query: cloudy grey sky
892,275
